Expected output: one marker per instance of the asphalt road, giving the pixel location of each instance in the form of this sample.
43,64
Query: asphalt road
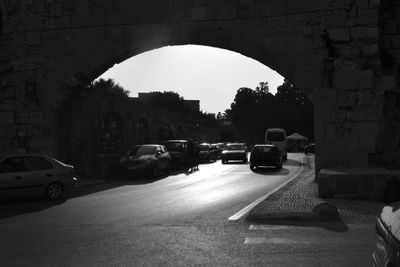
180,220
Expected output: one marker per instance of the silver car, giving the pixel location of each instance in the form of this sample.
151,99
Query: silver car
34,174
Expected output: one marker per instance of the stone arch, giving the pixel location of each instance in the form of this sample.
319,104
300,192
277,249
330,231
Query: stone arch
142,132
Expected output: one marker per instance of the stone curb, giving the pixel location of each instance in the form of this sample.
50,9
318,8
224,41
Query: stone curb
321,212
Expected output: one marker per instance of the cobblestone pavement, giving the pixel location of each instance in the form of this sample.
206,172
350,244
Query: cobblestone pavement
300,196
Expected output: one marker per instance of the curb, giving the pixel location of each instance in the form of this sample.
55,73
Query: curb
321,212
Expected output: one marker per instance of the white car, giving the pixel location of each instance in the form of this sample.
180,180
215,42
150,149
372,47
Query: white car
34,174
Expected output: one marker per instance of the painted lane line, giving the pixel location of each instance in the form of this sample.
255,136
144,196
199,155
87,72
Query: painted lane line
278,241
249,207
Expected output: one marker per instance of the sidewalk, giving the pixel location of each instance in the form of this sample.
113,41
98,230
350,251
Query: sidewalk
298,202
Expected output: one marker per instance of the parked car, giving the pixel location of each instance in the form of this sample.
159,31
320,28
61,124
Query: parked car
35,174
387,235
208,152
309,149
178,150
234,151
265,155
219,147
146,159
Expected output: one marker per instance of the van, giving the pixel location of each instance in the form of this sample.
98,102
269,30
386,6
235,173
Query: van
277,136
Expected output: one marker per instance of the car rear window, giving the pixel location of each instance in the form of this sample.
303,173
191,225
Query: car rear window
265,149
173,146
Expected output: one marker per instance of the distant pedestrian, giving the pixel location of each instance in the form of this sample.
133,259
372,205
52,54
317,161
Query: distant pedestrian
190,146
196,155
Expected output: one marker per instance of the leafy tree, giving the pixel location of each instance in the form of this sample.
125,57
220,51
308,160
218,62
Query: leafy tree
253,111
109,86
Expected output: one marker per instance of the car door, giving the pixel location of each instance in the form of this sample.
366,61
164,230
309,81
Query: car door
163,157
11,173
38,171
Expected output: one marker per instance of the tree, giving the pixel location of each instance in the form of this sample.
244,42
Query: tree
109,86
253,111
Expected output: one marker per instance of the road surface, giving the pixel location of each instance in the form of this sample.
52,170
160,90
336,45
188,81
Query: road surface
180,220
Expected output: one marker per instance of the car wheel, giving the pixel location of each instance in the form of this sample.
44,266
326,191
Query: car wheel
54,191
284,158
252,167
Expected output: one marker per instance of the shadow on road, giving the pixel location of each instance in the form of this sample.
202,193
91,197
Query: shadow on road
271,171
11,207
14,206
336,226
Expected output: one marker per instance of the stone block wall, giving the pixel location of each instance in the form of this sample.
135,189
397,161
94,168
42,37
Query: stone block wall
343,54
388,136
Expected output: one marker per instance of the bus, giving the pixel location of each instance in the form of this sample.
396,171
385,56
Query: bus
277,136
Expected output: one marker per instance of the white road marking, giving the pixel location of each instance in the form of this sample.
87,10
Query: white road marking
249,207
276,240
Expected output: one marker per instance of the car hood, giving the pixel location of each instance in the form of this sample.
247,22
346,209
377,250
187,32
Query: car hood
390,216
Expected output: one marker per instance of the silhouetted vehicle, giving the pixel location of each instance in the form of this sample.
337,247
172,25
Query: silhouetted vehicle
35,174
387,235
146,160
178,149
234,151
309,149
219,147
207,152
277,136
265,155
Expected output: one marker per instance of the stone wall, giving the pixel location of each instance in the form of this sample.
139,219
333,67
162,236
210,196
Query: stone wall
388,137
341,53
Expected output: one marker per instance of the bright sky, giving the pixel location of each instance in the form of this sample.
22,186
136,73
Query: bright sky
208,74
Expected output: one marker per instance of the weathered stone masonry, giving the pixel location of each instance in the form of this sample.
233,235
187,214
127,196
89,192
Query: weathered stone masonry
342,53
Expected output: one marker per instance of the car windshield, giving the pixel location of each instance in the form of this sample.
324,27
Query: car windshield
235,147
173,146
143,150
275,136
204,147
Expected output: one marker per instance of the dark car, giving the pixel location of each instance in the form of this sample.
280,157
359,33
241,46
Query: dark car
207,152
34,174
146,159
309,149
387,235
178,149
234,151
265,155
